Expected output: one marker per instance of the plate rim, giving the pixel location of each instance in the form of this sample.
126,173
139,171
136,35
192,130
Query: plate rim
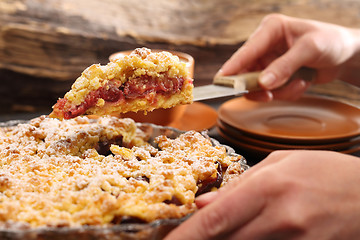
288,138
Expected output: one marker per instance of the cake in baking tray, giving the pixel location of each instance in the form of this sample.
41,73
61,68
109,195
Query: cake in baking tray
141,81
102,172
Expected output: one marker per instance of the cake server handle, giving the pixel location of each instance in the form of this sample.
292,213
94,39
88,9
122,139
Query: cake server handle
250,80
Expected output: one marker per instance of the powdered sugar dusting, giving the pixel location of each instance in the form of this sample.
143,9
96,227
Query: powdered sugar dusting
53,173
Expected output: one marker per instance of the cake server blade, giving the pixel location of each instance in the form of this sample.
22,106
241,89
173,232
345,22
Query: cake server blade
213,91
237,85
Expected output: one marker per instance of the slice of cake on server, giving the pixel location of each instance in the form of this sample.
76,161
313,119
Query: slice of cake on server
140,81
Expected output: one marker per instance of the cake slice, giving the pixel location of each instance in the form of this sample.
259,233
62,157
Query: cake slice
140,81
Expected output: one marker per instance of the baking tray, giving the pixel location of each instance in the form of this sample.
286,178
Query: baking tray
127,231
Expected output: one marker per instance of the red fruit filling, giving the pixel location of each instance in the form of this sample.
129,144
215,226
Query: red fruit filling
140,87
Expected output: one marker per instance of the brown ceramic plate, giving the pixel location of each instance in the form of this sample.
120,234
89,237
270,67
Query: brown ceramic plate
232,132
197,116
250,151
262,151
308,120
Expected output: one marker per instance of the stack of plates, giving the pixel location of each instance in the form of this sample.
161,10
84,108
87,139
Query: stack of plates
308,123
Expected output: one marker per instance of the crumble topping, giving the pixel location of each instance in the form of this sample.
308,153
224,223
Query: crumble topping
102,171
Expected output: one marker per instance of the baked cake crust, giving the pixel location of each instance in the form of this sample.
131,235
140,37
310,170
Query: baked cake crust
102,172
141,81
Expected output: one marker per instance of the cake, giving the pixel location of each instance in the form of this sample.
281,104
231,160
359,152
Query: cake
103,172
140,81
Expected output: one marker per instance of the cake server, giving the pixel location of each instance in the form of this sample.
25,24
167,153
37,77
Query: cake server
237,85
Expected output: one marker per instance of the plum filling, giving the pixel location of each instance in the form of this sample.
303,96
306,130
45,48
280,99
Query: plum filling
174,200
103,147
140,87
126,220
143,178
207,184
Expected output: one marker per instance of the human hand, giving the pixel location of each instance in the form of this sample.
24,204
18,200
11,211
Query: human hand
289,195
282,44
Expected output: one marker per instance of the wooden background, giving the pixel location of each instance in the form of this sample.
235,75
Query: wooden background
46,44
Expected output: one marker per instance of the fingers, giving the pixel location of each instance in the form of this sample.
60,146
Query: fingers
262,96
268,34
326,75
281,69
266,226
260,46
205,199
224,215
230,208
292,91
281,45
210,197
301,47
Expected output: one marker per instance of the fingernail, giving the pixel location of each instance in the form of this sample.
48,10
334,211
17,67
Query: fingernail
219,73
209,195
205,199
267,79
